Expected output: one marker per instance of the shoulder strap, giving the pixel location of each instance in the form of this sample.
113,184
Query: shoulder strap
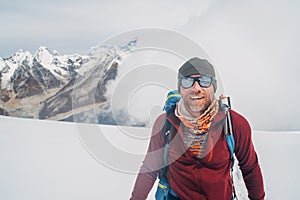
172,98
229,134
225,106
166,134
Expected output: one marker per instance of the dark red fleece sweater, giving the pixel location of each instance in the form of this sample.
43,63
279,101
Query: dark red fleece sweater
209,178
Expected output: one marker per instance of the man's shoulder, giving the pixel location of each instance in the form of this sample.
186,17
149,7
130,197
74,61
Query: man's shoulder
159,123
236,115
238,119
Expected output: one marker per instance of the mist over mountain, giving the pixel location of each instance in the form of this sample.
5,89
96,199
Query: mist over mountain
47,85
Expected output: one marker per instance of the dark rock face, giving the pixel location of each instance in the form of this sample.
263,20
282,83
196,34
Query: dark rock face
32,80
3,112
44,76
108,75
61,102
80,93
5,95
24,84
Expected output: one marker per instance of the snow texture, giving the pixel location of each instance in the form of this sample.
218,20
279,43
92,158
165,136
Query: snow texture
52,160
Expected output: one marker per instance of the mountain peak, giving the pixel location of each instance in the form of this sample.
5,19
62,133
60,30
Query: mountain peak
43,53
20,56
43,48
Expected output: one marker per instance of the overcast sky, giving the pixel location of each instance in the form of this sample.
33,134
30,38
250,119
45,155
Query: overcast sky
76,26
254,45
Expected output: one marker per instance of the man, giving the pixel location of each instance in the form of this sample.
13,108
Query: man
198,156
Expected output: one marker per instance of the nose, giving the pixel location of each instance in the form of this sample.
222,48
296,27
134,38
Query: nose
196,86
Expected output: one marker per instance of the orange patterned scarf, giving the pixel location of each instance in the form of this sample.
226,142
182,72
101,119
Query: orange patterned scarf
195,129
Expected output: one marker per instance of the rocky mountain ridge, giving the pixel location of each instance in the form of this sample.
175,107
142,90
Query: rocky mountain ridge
47,85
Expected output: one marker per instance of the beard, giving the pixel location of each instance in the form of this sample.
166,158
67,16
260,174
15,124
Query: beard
196,104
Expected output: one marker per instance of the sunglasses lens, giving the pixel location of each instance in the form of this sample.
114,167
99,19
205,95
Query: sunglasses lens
187,82
204,81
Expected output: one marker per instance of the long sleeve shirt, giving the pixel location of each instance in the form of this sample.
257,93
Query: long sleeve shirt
193,178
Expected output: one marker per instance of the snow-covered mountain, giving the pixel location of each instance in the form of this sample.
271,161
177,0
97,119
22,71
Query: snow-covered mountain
62,67
48,85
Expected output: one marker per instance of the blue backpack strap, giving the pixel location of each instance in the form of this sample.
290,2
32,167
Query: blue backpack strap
166,134
163,185
172,98
229,134
169,107
231,145
225,106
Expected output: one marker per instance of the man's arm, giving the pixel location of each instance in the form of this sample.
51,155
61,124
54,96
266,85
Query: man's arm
247,157
152,163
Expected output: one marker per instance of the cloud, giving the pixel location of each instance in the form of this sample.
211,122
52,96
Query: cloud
254,47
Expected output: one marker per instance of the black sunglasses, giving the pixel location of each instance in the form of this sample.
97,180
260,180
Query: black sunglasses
204,81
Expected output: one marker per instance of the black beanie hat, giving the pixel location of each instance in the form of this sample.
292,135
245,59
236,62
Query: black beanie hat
197,66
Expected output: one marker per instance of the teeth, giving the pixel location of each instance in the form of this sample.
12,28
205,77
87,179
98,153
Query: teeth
195,98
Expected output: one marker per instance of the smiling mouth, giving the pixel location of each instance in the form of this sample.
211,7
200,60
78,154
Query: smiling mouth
196,98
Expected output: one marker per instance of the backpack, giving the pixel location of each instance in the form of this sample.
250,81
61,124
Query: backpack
172,98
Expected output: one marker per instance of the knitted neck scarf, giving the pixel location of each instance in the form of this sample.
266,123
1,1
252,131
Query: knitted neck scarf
197,125
195,129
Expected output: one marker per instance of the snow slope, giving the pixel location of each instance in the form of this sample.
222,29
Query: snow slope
60,160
